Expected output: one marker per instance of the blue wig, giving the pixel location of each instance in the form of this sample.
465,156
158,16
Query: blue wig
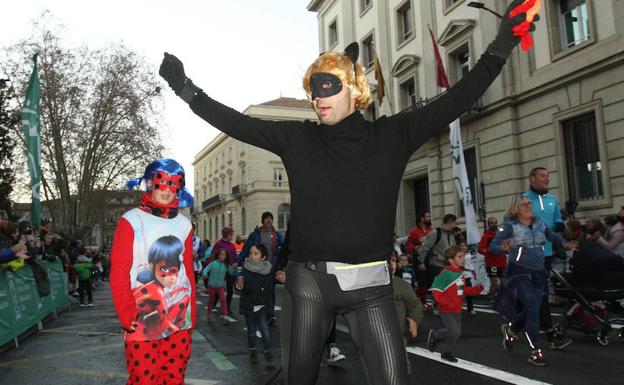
169,166
165,249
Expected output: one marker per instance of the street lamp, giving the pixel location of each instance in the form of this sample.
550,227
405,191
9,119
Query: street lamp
478,5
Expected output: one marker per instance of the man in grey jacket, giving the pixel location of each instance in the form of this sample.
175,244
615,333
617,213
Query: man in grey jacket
431,252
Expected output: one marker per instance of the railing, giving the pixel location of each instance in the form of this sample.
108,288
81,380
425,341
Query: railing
423,102
212,201
239,189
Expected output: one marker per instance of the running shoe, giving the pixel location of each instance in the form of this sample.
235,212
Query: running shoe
432,342
509,339
446,356
537,358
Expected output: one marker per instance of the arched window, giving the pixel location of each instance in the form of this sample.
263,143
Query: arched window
205,230
210,227
283,216
223,220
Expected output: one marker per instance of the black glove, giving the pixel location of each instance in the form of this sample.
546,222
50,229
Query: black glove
505,40
172,70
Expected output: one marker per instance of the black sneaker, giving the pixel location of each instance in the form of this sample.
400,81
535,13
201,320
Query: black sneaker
558,341
268,356
509,339
446,356
537,358
253,356
432,342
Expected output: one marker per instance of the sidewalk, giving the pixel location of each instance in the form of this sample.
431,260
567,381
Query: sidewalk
84,346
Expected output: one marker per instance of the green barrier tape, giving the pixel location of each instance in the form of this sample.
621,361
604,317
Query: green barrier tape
21,307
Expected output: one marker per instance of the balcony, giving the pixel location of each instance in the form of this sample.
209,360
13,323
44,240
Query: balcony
212,201
239,189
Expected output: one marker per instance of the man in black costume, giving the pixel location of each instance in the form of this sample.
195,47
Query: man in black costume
351,168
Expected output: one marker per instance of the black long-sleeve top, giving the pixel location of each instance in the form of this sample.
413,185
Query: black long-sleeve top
344,178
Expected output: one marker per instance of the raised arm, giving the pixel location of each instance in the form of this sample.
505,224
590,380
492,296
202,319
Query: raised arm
421,124
270,135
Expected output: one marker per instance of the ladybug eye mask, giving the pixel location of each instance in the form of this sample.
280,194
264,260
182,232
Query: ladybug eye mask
165,270
163,181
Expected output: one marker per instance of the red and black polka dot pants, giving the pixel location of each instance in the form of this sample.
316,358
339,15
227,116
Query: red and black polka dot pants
159,362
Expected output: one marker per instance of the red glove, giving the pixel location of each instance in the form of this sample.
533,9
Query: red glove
522,30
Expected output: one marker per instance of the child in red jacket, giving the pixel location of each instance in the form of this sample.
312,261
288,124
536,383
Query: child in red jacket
151,278
448,290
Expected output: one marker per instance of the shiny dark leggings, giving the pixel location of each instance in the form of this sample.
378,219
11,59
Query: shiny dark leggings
312,300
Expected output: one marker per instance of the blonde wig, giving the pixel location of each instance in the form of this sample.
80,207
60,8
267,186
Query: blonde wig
351,75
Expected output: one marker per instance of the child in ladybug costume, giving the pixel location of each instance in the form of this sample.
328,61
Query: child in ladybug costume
151,278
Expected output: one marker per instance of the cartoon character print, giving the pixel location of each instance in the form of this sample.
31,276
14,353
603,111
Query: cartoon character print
162,294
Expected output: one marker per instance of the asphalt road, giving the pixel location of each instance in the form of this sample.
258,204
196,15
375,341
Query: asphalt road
84,346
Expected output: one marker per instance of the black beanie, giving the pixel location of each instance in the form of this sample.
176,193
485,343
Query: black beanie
265,215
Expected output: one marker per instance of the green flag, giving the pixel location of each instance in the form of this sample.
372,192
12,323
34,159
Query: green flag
30,123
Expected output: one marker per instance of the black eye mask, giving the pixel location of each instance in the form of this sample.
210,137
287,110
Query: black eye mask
323,84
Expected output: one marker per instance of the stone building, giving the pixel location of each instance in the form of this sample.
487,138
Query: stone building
560,106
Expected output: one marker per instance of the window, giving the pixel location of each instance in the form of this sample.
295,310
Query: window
470,157
209,228
368,54
243,221
365,5
230,221
216,228
283,216
451,3
408,93
584,170
404,22
573,23
205,230
462,62
223,220
278,177
371,112
421,196
109,241
333,34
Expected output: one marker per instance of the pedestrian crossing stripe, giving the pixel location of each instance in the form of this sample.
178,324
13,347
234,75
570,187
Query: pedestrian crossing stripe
220,361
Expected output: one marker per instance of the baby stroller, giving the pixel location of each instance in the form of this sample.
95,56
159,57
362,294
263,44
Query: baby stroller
589,307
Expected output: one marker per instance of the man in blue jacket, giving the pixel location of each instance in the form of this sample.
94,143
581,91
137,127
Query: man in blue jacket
272,240
546,207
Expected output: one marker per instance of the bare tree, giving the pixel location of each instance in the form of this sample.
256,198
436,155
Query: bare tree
99,119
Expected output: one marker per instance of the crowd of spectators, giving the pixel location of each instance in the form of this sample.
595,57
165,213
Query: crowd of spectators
21,244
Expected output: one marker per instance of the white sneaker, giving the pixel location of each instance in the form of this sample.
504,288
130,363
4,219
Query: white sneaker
335,355
91,304
227,318
473,312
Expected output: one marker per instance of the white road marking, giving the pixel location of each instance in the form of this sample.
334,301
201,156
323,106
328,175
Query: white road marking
476,368
466,365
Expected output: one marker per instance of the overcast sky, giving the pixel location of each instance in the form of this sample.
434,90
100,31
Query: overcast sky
241,52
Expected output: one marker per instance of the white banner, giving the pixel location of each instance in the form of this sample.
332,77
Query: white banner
460,177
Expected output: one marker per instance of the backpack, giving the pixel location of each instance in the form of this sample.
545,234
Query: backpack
438,231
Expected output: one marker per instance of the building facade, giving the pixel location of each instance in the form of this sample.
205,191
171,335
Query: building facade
236,182
559,106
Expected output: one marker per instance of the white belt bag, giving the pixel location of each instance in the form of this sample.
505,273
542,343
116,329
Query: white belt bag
353,277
